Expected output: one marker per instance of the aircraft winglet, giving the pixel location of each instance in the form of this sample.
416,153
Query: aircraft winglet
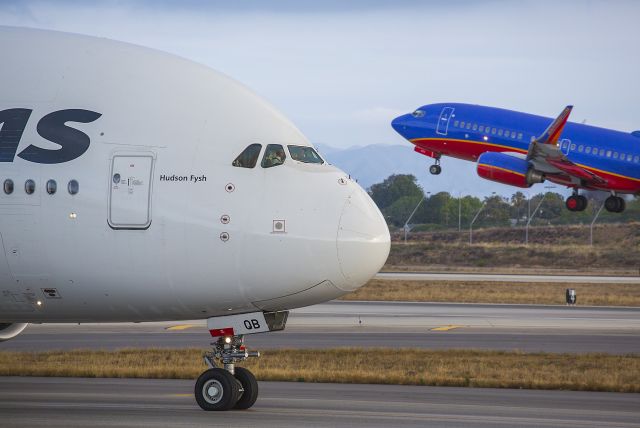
552,133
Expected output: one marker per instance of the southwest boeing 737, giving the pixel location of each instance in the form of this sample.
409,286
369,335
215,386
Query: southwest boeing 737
521,149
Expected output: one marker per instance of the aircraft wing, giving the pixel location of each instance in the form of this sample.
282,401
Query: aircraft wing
544,152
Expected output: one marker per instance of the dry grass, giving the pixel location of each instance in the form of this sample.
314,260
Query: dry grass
618,257
560,249
497,292
517,269
585,372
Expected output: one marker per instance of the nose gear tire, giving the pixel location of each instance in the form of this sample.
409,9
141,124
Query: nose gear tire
217,390
250,387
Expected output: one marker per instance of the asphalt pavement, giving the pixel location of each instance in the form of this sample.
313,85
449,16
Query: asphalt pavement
69,403
377,324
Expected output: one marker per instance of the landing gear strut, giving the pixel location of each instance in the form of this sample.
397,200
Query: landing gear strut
436,168
615,204
576,202
228,387
225,386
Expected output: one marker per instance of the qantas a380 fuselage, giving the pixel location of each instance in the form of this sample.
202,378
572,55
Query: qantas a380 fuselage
138,186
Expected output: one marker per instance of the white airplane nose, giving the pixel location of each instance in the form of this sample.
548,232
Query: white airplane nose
363,240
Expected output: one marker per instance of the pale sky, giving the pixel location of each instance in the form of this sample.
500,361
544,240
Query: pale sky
342,70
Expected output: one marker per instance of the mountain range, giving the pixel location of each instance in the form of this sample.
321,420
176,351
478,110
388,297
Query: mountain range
373,163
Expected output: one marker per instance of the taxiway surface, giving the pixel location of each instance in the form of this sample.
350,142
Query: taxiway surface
66,402
378,324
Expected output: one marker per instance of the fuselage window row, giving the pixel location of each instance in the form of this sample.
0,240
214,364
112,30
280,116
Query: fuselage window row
507,133
30,187
512,134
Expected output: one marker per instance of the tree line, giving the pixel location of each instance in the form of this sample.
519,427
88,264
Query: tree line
398,195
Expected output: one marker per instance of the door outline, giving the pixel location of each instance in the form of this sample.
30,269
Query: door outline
4,261
115,155
443,120
567,150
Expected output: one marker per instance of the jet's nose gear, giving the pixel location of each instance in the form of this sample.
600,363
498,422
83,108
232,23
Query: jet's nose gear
436,168
230,387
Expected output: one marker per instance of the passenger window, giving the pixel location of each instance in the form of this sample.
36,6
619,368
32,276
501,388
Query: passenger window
29,186
601,152
304,154
608,153
456,123
52,186
461,124
500,132
629,157
513,134
481,129
636,159
475,126
587,150
249,156
520,136
469,125
615,155
580,148
573,146
273,156
493,131
8,186
73,187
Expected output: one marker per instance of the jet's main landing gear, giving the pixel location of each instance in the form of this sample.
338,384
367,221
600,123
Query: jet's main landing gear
615,204
228,387
436,168
576,202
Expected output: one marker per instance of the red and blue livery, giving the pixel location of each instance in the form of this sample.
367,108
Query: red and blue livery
522,149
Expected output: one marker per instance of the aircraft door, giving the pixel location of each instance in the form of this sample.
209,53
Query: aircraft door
130,191
12,296
565,146
443,120
5,274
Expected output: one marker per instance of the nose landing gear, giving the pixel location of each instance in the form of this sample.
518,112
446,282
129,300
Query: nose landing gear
436,168
228,387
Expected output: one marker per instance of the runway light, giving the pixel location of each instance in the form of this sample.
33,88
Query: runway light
39,303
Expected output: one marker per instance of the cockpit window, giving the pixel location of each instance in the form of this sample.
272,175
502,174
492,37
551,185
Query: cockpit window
304,154
418,113
273,156
248,157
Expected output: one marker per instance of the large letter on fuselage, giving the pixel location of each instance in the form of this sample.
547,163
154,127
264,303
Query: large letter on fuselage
13,122
53,127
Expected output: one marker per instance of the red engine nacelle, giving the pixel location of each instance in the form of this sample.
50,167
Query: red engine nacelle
508,169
